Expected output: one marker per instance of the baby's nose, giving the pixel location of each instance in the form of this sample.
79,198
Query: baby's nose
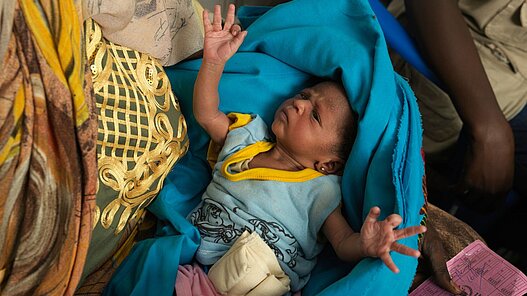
300,105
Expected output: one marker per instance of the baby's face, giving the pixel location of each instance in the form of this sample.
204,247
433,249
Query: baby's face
307,124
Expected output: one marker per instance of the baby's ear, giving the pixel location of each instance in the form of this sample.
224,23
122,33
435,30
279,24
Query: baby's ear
331,167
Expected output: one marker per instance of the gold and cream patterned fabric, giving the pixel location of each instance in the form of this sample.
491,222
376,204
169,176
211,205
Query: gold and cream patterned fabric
141,135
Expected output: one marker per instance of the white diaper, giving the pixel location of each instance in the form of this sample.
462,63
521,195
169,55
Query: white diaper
250,268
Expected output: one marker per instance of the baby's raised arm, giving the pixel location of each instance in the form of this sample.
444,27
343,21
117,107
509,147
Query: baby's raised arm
220,44
376,238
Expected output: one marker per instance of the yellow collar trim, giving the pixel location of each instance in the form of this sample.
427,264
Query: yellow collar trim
264,173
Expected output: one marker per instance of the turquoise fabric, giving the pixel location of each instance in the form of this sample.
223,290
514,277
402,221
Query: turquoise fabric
285,50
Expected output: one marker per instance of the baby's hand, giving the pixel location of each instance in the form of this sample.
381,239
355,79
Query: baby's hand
378,238
220,44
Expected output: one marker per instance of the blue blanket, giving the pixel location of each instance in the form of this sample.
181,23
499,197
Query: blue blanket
284,51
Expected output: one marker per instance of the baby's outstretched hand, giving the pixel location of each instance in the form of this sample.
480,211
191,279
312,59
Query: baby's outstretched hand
221,43
378,238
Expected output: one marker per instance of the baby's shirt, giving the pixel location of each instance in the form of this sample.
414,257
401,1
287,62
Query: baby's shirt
287,209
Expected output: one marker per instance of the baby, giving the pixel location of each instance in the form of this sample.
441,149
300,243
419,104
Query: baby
284,183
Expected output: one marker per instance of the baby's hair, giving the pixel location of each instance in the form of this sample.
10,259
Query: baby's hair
347,131
347,134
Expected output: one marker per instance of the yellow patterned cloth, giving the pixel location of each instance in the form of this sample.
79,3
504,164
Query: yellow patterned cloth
47,151
141,135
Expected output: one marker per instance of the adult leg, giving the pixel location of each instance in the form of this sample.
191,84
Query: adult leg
519,128
504,237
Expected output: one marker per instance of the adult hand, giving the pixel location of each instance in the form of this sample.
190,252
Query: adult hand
445,237
489,167
433,263
221,42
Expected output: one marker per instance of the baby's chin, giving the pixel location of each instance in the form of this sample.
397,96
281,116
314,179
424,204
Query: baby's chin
276,118
274,126
276,129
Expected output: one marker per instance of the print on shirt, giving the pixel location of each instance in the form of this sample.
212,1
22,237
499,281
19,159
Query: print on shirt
215,223
268,232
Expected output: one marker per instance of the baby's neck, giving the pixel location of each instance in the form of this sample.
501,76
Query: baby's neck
275,158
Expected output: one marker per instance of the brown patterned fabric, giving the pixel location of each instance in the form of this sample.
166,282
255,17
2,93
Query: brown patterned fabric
445,237
453,234
48,174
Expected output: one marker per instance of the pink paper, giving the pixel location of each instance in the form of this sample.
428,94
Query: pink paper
479,272
429,288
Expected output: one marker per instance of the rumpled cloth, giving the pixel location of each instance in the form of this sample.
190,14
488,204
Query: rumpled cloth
192,280
169,30
48,131
7,9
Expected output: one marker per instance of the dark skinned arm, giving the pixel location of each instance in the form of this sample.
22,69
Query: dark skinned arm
443,37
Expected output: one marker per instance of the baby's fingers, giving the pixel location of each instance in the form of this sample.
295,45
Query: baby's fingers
235,30
387,259
229,20
238,38
394,220
207,26
409,231
216,20
402,249
373,215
